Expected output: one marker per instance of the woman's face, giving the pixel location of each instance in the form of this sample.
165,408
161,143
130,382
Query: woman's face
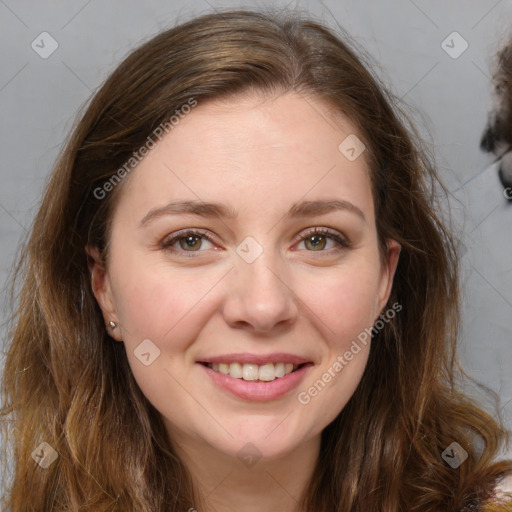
207,265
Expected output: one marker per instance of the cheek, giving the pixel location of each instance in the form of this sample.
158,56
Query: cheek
158,302
162,303
344,301
344,304
331,386
344,307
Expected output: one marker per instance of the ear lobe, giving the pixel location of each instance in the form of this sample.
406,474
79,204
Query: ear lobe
100,284
388,272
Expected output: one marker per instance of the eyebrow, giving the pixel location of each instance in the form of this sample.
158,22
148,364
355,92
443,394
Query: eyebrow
220,211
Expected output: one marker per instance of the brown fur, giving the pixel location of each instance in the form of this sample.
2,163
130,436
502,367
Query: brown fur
497,137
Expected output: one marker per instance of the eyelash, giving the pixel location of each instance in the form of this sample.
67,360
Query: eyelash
326,233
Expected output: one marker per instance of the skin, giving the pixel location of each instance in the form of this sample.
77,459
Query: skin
257,156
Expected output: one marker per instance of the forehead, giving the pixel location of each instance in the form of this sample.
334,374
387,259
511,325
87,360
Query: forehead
258,122
255,148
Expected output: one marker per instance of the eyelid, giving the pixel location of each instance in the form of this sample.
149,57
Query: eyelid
168,241
343,242
171,239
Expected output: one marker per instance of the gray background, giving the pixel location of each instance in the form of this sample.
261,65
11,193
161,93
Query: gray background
450,98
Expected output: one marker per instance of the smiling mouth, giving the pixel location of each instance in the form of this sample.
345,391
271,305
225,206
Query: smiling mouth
253,372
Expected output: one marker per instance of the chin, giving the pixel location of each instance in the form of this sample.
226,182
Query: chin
259,442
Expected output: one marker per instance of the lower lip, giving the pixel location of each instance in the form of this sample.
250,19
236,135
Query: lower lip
256,390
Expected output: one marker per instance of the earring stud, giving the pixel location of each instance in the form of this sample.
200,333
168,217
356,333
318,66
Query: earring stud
112,324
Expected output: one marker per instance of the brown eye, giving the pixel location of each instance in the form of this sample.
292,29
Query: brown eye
317,240
190,242
187,241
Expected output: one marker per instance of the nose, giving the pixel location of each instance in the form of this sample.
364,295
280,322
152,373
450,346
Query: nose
258,296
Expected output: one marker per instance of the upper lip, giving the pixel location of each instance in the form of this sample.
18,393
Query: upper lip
259,359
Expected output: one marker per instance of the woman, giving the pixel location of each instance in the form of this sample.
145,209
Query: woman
237,294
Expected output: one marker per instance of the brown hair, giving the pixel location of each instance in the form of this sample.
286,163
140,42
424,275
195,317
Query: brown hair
66,383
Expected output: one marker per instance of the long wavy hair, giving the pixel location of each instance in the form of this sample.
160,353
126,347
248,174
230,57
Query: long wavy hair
68,384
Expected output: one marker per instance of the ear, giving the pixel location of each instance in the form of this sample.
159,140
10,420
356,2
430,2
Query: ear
101,287
388,273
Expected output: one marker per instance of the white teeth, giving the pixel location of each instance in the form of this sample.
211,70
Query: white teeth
279,369
248,371
235,370
224,368
267,372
